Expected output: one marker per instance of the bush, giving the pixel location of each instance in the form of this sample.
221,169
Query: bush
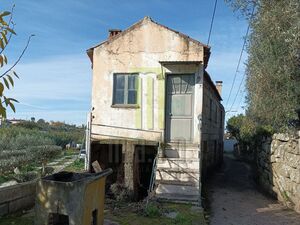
18,158
30,142
13,138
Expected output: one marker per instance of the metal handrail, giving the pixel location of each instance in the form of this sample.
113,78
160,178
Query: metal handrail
153,176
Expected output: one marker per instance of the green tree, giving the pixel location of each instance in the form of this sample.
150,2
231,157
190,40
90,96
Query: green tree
234,125
273,66
7,73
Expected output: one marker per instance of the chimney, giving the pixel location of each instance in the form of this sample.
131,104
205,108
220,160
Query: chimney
113,32
219,85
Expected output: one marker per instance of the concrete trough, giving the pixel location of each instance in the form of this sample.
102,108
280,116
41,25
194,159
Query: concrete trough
71,199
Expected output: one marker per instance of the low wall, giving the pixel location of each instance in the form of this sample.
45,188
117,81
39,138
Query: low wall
17,197
278,167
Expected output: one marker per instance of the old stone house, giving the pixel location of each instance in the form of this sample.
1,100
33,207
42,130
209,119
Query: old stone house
155,111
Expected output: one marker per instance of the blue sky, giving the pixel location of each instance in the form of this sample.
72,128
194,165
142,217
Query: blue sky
55,73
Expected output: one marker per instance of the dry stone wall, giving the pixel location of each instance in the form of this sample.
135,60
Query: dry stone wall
17,197
278,163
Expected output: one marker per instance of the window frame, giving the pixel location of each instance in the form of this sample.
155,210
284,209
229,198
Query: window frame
125,103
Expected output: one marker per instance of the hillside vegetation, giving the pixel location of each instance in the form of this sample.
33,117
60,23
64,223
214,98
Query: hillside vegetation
30,144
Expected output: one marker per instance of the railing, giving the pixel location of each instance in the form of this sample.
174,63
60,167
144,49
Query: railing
152,178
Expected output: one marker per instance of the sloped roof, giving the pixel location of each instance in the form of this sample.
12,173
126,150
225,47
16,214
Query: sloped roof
213,86
139,23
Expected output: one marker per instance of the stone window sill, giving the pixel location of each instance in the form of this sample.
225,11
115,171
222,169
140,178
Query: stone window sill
126,106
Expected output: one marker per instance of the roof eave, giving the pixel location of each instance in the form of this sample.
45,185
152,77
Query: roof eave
211,83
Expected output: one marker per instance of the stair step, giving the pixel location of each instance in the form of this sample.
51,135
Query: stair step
177,175
182,145
178,163
177,189
178,182
182,153
193,199
178,170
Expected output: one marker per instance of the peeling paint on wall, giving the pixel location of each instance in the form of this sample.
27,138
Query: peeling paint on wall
150,103
161,104
145,70
138,111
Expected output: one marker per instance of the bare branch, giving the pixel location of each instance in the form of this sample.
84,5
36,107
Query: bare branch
18,60
11,15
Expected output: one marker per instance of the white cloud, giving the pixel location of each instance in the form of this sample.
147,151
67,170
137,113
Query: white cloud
50,88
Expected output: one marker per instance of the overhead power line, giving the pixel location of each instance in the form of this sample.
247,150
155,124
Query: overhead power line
212,21
240,58
241,99
241,83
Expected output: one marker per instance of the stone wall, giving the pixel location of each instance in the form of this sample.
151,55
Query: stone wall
17,197
278,165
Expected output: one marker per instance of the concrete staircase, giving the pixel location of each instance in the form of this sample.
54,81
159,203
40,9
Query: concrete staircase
177,174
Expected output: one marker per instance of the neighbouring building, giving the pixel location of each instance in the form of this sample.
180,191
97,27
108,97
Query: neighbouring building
155,110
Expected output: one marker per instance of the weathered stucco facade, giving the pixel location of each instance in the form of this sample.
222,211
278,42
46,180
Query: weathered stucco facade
176,109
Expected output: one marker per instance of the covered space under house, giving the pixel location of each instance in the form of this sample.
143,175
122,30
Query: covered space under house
155,111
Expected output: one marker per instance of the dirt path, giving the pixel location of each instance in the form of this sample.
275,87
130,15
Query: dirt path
234,199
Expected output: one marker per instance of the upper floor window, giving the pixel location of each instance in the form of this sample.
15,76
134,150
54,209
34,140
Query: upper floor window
125,89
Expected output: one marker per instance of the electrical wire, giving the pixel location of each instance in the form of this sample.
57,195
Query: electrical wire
239,62
212,22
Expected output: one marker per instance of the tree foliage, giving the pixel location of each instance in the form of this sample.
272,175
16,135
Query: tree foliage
61,133
273,72
246,131
7,73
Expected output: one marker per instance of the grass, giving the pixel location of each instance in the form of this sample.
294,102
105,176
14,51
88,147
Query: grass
70,152
77,166
132,214
154,214
18,219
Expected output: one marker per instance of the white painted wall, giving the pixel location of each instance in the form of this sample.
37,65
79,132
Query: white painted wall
140,50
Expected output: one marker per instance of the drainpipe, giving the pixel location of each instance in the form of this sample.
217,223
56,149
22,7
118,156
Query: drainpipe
200,119
88,141
200,160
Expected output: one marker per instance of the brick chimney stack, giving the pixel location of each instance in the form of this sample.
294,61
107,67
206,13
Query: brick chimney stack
113,32
219,85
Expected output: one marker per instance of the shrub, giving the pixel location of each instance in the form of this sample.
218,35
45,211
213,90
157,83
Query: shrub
30,142
18,158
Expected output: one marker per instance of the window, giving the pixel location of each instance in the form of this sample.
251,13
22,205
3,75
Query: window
125,89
